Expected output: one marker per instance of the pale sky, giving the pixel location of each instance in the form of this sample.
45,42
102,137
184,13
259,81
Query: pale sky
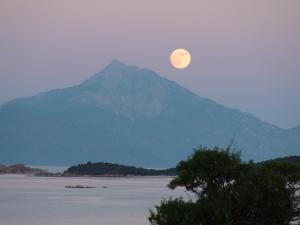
245,53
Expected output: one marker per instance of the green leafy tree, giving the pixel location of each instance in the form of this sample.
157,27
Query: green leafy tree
228,191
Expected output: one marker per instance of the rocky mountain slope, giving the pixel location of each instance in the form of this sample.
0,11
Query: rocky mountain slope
129,115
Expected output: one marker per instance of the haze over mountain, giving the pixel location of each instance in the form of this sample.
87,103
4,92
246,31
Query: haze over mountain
129,115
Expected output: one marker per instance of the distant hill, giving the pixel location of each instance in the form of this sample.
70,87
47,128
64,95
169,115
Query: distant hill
290,159
128,115
102,169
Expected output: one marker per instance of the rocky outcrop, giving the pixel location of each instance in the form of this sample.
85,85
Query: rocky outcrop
19,169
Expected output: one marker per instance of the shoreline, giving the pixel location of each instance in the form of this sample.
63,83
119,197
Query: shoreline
90,176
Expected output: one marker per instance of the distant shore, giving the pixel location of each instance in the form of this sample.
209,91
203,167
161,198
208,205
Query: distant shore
101,169
89,169
20,169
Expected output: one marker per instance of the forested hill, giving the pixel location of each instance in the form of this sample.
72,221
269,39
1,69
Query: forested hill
111,169
102,169
290,159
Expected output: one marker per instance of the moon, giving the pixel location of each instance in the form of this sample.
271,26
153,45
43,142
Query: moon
180,58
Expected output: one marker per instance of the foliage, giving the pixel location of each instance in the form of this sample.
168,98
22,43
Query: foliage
228,191
175,212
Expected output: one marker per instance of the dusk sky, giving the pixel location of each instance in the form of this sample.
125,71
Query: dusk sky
245,54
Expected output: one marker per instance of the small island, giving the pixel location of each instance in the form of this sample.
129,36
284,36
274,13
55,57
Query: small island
110,169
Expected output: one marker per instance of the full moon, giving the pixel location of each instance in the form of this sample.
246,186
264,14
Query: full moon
180,58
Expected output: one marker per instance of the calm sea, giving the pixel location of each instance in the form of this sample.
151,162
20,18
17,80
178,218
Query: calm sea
28,200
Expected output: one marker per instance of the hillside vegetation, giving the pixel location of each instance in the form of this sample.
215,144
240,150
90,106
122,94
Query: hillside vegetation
102,169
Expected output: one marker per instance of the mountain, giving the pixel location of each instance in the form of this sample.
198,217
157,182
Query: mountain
129,115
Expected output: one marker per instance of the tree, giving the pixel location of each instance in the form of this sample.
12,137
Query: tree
228,191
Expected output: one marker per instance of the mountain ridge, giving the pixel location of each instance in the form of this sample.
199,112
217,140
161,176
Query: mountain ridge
155,122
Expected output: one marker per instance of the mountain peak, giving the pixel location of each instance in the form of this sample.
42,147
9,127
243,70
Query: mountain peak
116,63
127,90
119,72
116,67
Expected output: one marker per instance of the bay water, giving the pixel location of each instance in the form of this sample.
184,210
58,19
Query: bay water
29,200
